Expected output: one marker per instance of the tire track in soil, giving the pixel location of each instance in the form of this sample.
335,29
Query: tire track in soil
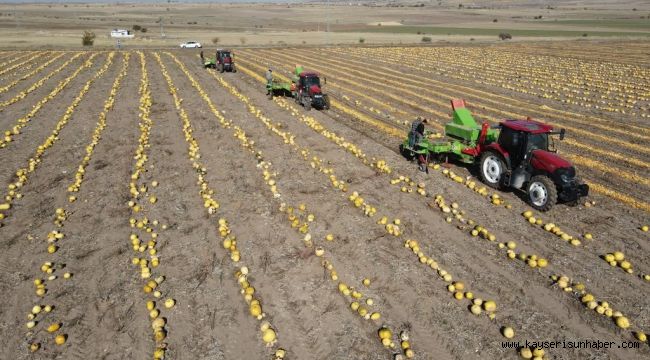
548,291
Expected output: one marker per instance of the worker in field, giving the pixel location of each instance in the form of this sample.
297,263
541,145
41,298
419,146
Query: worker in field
415,137
269,80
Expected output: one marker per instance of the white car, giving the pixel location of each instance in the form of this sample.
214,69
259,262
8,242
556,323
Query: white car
191,44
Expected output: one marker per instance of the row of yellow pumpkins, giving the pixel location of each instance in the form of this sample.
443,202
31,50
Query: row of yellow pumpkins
60,214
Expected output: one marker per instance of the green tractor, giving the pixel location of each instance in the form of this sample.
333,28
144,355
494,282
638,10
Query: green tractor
305,87
516,154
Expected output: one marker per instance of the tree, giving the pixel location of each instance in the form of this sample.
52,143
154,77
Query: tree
88,38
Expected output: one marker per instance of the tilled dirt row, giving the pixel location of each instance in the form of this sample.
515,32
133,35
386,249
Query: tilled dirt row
23,146
14,111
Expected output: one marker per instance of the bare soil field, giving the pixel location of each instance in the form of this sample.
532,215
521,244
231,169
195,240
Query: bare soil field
152,208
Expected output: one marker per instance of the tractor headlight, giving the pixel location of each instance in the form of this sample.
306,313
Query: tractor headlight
566,174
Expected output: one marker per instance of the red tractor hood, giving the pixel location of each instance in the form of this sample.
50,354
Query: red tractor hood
314,89
545,160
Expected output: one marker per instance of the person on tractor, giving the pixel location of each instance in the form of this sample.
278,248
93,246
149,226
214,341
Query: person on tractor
269,80
415,137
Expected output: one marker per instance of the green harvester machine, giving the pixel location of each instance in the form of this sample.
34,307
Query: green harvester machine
462,132
285,88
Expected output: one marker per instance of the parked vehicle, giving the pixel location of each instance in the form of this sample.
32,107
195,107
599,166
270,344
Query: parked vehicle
191,45
121,33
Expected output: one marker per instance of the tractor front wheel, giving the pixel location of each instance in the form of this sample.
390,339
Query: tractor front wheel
542,194
307,103
326,100
491,169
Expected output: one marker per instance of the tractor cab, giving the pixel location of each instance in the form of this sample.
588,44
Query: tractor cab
225,60
520,139
310,82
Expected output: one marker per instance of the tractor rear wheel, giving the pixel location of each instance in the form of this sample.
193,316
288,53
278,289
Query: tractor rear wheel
491,168
542,194
327,102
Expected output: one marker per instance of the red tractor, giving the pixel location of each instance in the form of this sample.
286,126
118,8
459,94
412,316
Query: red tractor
225,61
307,90
523,159
515,154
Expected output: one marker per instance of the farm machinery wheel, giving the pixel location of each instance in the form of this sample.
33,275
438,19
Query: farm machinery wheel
491,169
408,154
542,194
327,102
